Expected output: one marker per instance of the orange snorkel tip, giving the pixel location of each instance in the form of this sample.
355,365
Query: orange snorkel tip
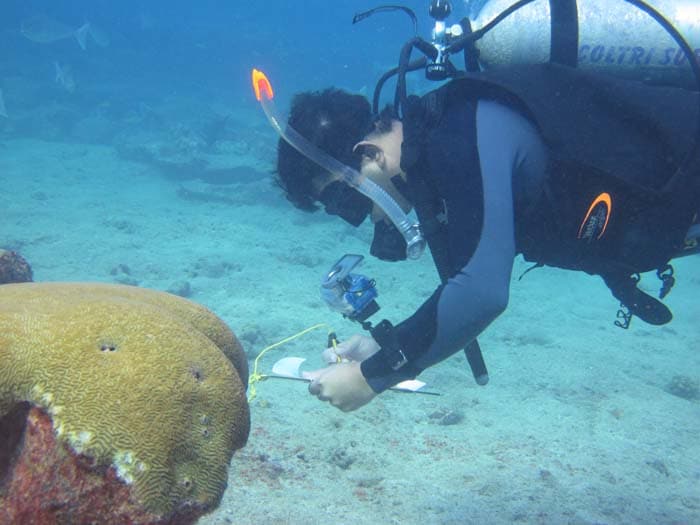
261,85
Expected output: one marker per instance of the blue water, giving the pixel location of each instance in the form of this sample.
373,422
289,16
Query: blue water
156,170
216,43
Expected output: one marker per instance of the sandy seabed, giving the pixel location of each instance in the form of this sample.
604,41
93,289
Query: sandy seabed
578,424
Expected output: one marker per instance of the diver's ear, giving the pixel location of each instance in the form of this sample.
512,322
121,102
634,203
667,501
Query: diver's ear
370,151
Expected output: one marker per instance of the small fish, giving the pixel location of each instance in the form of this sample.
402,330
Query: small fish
64,77
3,109
44,30
100,37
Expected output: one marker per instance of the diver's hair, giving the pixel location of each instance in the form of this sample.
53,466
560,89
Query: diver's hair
334,120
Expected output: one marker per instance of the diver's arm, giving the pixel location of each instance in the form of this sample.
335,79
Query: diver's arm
470,300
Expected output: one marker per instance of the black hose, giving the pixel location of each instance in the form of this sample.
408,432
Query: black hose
404,61
359,17
419,63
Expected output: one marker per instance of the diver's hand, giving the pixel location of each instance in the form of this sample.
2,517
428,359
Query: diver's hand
357,348
342,385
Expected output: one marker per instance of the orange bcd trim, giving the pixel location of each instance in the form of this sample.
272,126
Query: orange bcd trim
261,85
604,198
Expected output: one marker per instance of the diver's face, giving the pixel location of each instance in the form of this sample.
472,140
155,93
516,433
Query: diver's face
381,160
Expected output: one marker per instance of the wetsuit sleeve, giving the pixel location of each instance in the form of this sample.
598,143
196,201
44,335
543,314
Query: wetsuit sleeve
511,154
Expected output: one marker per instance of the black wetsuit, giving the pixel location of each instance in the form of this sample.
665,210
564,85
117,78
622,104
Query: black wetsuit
488,192
513,155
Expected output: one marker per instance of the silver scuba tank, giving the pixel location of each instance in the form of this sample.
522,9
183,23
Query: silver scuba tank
614,36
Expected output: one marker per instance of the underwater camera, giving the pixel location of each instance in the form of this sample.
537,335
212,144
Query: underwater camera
351,294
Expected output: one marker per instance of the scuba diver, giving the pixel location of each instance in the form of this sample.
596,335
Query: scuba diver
565,166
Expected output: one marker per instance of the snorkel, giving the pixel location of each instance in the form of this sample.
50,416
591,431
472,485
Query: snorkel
415,243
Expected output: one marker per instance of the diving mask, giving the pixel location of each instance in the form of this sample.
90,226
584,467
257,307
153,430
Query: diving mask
347,203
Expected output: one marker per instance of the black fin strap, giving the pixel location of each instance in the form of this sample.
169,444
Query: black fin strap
667,280
635,301
624,317
536,265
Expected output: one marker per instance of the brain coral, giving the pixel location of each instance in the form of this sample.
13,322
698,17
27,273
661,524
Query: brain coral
142,381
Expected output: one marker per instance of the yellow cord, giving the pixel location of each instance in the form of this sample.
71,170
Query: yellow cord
255,376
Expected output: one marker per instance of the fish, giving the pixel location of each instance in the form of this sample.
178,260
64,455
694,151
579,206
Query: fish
3,109
99,36
44,30
64,77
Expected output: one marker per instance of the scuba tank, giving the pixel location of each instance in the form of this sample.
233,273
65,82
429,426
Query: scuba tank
608,36
653,41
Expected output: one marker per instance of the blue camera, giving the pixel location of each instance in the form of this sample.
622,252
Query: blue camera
350,294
